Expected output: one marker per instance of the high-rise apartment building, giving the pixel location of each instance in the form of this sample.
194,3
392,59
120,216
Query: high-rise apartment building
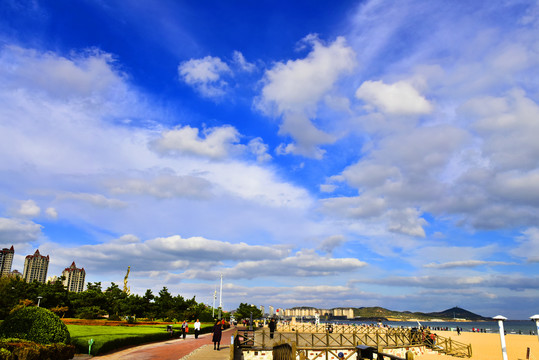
74,278
36,267
6,259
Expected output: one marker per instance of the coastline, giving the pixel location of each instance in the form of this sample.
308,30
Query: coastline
487,346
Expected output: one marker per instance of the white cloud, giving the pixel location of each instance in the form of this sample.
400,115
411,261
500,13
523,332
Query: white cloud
171,254
399,98
164,187
293,89
28,208
216,144
205,75
304,263
331,243
51,213
94,199
258,148
243,64
90,74
407,221
528,245
328,188
18,231
357,207
466,264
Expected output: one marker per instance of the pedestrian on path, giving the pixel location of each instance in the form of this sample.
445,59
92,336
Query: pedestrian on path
217,332
185,328
197,328
272,326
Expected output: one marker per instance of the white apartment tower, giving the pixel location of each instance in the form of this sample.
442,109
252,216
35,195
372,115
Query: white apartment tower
36,267
74,278
6,259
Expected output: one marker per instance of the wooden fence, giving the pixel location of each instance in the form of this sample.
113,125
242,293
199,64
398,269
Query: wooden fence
308,337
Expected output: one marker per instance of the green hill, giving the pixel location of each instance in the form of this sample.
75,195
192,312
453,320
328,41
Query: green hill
385,314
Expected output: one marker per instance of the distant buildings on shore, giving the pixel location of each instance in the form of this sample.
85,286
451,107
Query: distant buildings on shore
311,312
36,267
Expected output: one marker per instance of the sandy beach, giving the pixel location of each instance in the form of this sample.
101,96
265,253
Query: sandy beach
488,347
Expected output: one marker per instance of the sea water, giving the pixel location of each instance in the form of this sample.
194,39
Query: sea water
524,327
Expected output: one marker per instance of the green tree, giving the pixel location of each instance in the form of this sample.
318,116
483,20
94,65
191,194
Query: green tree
116,301
244,312
93,298
165,305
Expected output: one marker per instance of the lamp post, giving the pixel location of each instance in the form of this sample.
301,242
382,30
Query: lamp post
39,300
536,319
502,334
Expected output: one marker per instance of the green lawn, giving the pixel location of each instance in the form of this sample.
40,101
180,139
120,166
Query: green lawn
109,338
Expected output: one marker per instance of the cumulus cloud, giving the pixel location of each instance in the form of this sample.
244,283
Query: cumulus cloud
18,231
205,75
259,149
400,98
304,263
293,89
331,243
217,142
407,221
173,254
51,213
28,208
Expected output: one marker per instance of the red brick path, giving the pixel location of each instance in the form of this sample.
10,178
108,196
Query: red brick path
168,350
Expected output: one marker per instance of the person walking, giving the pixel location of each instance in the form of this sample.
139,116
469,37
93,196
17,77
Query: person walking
217,332
272,325
184,329
197,328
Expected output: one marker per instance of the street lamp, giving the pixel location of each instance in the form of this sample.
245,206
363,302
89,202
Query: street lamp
39,300
502,334
536,319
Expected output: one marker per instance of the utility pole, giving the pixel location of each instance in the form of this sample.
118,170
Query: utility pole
221,297
213,307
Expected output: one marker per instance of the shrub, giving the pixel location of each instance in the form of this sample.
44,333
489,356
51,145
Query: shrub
35,324
90,312
25,350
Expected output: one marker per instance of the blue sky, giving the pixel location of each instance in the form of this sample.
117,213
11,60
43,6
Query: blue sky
364,153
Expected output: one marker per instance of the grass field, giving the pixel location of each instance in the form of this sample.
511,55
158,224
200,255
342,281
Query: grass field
109,338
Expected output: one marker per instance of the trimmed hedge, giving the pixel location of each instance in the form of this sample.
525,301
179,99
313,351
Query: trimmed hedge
35,324
16,349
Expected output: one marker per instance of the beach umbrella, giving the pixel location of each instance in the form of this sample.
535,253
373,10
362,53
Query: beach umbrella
502,334
536,319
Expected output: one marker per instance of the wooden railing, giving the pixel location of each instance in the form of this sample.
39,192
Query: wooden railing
348,337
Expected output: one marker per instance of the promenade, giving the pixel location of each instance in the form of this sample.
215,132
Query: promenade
176,349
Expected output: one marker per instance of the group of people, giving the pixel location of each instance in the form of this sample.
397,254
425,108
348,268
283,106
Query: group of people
217,331
185,328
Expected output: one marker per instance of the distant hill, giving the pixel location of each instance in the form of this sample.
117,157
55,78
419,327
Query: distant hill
458,313
385,314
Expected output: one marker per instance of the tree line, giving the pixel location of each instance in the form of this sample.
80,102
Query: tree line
95,302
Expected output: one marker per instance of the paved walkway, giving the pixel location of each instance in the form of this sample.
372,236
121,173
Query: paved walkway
190,348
